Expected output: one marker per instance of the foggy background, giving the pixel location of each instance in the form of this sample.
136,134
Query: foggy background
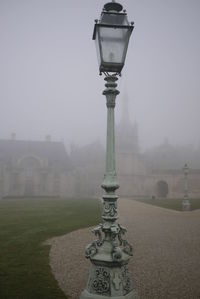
49,82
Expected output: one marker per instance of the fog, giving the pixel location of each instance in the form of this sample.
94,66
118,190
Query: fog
49,82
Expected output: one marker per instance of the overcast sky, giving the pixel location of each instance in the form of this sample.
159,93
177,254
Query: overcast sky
49,82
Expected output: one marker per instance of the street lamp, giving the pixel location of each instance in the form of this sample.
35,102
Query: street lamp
186,201
111,34
110,252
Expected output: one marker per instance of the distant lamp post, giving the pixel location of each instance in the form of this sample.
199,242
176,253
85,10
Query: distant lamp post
110,253
186,200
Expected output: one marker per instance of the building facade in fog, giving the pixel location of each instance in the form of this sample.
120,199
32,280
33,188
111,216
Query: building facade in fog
44,168
33,168
154,173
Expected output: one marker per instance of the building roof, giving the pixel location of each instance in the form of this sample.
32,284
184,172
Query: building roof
53,152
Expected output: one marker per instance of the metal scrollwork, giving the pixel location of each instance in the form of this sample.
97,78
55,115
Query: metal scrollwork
116,238
116,252
101,283
92,248
118,243
110,209
98,232
127,248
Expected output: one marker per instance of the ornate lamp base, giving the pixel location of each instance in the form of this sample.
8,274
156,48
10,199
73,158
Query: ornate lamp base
109,275
109,282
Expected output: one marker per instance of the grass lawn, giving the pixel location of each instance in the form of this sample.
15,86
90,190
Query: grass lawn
170,203
24,225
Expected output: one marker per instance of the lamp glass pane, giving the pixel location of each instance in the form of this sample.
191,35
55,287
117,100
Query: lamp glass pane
113,44
98,47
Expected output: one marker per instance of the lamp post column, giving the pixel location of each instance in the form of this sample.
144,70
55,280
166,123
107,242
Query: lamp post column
186,201
110,183
110,253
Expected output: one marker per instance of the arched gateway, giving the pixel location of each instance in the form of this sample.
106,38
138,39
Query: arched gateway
162,189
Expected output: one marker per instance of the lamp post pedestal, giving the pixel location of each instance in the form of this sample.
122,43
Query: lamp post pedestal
110,252
109,279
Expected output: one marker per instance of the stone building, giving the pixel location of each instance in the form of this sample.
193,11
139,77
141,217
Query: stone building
44,168
157,172
34,168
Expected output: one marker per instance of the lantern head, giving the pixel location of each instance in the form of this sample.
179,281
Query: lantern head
111,34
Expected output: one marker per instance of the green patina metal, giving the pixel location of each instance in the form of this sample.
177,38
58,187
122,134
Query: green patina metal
186,200
110,183
110,252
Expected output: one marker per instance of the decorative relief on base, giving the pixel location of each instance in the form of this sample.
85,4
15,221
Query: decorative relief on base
110,209
101,281
108,281
127,283
116,281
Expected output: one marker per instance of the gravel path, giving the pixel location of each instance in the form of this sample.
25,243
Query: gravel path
166,260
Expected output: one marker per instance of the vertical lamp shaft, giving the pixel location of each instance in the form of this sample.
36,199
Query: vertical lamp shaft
110,180
186,200
186,186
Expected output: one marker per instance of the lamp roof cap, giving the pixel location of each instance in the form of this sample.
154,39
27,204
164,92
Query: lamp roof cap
113,6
